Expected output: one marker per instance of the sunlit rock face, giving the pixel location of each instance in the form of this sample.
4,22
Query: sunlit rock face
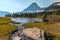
56,4
17,38
33,34
30,34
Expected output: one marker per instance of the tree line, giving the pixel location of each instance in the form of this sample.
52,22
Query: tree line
18,14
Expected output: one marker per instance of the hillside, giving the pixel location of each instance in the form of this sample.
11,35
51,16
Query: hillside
3,13
54,6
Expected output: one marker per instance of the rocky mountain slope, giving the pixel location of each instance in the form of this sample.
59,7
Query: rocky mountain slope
32,8
54,6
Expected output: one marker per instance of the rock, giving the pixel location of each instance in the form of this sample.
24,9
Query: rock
30,34
17,38
33,33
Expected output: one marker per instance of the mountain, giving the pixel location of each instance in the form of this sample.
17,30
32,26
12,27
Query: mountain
3,13
32,8
54,6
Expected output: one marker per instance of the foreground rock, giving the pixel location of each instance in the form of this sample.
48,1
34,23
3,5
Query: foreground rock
30,34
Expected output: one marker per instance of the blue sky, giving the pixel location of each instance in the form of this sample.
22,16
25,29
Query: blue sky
19,5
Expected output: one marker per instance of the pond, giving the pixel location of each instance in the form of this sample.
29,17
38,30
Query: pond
20,26
26,20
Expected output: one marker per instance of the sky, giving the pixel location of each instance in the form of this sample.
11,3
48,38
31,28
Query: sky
20,5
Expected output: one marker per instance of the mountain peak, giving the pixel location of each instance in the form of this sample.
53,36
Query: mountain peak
34,3
31,8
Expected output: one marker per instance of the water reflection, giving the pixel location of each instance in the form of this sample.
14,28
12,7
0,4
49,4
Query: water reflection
26,20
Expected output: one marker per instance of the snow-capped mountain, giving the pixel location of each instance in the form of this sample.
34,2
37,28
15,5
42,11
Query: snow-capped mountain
33,8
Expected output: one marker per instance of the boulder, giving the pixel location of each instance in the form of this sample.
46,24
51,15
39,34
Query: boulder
33,33
30,34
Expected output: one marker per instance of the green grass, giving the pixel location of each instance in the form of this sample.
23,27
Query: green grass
6,28
53,28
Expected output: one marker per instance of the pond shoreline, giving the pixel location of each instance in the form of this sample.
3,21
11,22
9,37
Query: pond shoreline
21,27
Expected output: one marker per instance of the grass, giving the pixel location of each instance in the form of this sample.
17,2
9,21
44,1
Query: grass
51,28
54,16
6,28
16,22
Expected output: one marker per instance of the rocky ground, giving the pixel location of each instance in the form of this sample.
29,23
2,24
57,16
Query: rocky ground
30,34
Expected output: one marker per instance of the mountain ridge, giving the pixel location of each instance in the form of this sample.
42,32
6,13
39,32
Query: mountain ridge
53,6
32,8
3,13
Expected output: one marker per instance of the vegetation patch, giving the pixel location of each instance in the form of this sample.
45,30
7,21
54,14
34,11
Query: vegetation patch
6,28
51,28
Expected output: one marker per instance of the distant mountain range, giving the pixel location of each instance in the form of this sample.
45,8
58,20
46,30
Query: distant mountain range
33,8
54,6
3,13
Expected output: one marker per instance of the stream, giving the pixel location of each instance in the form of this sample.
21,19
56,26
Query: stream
20,26
24,21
